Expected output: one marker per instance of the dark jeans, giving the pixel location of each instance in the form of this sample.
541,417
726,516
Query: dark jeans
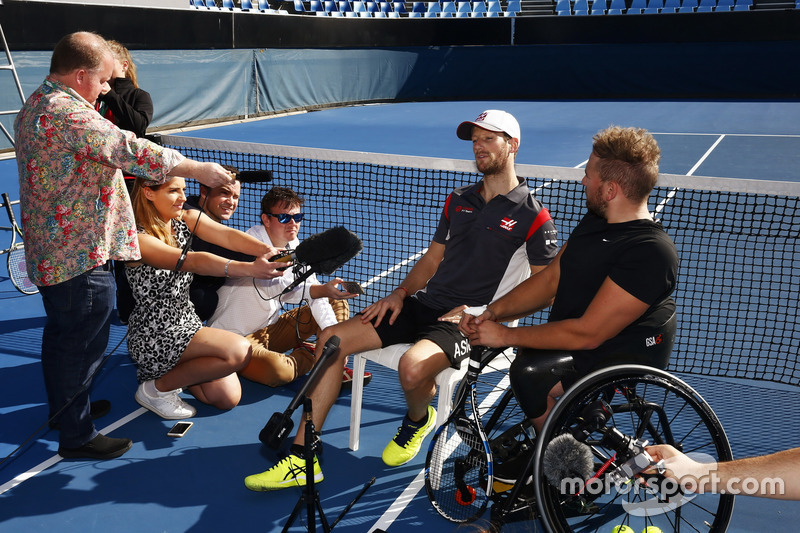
73,343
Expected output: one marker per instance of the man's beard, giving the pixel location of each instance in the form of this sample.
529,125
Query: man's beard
596,205
494,166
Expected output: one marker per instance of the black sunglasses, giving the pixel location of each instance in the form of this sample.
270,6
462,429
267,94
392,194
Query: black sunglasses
284,218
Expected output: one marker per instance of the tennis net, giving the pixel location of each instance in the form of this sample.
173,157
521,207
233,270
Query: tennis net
737,239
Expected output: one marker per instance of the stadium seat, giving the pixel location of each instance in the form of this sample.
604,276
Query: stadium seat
434,9
724,5
513,7
581,6
247,5
199,4
478,9
263,6
493,8
688,6
227,4
211,4
359,8
563,5
563,13
742,5
315,6
671,6
636,7
598,7
417,10
654,7
386,9
614,11
448,9
400,9
463,9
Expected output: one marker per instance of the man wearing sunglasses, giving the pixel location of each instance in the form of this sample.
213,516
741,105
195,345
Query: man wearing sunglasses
253,308
491,236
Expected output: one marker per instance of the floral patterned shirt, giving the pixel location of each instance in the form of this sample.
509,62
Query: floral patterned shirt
76,213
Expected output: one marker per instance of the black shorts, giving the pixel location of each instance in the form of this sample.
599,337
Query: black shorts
417,322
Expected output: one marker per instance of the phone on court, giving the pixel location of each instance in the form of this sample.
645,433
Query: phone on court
179,429
352,287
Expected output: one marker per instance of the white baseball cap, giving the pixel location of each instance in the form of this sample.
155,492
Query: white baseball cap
492,120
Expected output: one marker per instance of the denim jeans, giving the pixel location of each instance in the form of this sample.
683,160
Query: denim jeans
73,344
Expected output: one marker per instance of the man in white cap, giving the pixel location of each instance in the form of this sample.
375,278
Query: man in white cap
491,236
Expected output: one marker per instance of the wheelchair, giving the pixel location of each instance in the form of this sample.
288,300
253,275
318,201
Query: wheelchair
608,417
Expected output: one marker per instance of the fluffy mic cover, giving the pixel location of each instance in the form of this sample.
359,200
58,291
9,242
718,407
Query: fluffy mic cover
566,458
327,251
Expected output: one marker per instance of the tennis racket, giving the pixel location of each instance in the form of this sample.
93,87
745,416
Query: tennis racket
17,268
458,468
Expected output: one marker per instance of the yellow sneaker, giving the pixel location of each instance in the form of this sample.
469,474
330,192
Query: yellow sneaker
407,442
289,472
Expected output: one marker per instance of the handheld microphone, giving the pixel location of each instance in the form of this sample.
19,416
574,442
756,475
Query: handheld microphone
280,424
567,463
254,176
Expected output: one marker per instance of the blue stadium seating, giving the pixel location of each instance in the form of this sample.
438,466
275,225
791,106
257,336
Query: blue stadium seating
316,7
671,6
688,6
724,5
580,7
479,9
211,4
742,5
494,9
618,5
637,7
598,7
434,9
247,5
563,5
417,10
463,9
654,7
512,8
227,4
198,4
400,9
448,9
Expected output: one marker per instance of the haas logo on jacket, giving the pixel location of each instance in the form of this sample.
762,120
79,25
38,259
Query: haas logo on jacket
508,224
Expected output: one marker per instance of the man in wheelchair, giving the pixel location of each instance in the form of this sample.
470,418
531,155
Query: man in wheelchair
610,286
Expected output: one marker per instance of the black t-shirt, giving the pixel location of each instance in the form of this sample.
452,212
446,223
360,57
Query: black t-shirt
638,256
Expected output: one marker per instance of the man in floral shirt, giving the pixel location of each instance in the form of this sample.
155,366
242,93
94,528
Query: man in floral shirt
77,216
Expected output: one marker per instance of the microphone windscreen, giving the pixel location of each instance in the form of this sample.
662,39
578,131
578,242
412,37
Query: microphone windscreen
254,176
565,458
328,250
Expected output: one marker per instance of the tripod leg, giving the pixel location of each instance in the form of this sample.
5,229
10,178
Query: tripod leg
293,516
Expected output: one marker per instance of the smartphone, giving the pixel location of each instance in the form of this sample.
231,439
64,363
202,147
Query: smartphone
352,287
179,429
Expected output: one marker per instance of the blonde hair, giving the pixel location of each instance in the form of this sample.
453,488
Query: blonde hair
147,217
123,54
629,157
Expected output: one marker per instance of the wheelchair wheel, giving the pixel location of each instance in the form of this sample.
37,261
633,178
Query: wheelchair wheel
646,404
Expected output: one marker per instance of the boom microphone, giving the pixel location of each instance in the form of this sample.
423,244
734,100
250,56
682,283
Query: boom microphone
567,463
323,253
254,176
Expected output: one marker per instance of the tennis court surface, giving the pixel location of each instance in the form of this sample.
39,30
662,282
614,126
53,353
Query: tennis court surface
738,241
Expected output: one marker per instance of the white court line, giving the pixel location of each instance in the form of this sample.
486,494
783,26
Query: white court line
705,155
56,458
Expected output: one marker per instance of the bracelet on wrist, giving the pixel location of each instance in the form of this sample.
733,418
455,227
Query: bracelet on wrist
404,290
226,267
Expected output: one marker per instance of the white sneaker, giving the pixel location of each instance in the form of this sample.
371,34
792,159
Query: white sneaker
165,404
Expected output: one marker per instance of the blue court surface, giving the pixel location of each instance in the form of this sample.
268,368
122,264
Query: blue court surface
195,483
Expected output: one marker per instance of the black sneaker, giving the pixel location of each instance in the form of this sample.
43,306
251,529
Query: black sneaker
97,409
100,447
